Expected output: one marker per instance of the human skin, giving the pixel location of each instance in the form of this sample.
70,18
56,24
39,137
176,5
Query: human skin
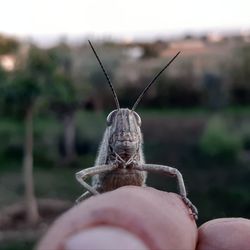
141,218
225,234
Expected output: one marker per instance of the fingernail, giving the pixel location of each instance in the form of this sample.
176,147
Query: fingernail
104,238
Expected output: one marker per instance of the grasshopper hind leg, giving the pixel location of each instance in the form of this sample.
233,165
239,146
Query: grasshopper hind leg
83,197
86,195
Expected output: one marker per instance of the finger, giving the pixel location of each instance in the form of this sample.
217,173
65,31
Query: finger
104,238
225,234
158,219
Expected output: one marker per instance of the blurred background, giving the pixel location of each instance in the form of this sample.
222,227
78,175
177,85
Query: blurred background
54,100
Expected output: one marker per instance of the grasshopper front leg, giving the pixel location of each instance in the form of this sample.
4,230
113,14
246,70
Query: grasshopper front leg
161,169
85,173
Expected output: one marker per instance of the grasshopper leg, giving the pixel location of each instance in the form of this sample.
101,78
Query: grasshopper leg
82,175
175,173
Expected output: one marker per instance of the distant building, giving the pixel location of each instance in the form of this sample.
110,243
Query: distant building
188,46
214,37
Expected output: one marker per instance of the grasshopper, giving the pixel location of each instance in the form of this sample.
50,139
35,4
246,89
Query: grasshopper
120,160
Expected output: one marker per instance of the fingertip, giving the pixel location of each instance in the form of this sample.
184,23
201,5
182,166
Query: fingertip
225,233
104,238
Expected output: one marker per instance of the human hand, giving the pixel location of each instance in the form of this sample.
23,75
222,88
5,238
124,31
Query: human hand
141,218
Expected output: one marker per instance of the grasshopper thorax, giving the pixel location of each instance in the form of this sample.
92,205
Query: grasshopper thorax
124,132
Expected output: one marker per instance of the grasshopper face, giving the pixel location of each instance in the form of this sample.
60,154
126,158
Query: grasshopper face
125,134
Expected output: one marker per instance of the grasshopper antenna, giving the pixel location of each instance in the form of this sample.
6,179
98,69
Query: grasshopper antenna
152,81
106,75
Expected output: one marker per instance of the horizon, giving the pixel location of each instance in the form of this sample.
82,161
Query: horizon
47,40
48,21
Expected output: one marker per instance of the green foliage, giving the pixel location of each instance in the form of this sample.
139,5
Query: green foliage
68,87
62,87
26,83
219,140
20,93
47,140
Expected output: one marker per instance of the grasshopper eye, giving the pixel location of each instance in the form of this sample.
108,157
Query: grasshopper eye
137,118
110,117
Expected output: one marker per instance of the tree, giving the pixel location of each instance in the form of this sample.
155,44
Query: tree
65,96
21,94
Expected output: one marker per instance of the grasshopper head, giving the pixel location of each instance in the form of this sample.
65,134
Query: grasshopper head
125,134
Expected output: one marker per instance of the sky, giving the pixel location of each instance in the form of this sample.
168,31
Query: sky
130,19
